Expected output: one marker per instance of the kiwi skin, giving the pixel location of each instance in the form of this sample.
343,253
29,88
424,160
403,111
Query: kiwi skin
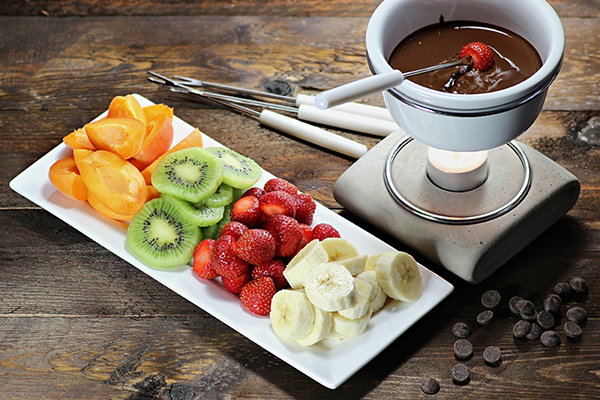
160,236
238,171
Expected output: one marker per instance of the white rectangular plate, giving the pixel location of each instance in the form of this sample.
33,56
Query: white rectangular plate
330,363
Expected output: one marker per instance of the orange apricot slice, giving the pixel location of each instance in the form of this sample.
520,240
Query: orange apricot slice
102,209
122,136
126,107
80,154
159,137
64,175
155,109
117,184
151,193
78,139
194,139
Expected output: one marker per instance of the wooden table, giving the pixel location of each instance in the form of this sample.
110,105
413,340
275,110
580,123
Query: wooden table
77,322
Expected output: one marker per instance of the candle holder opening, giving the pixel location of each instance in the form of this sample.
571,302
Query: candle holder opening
457,171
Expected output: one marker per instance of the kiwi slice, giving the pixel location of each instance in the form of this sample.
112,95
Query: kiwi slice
238,171
222,197
191,174
161,236
197,213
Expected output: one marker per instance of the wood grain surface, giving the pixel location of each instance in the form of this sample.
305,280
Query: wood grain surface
77,322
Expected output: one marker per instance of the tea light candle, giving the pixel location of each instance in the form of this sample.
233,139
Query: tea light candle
457,171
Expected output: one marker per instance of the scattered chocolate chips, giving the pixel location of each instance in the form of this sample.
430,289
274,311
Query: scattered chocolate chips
521,328
463,348
528,311
461,330
552,304
576,314
492,355
545,320
513,304
460,373
572,330
535,332
563,289
485,317
430,386
579,285
550,339
490,299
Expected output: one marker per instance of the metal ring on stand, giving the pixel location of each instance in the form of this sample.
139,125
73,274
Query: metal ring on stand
456,220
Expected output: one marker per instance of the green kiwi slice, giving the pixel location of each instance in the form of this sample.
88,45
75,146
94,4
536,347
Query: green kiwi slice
160,235
238,171
220,198
190,174
198,213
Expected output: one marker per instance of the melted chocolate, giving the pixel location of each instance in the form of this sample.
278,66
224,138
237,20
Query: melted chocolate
515,59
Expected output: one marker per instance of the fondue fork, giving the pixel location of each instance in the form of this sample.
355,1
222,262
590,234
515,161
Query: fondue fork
306,112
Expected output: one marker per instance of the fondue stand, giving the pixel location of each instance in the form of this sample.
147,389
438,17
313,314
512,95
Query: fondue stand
453,183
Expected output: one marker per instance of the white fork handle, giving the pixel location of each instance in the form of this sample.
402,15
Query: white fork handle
352,108
346,120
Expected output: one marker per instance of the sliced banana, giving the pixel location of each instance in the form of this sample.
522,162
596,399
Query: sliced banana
292,314
330,287
363,300
399,276
355,264
371,263
378,296
321,328
350,327
311,256
339,249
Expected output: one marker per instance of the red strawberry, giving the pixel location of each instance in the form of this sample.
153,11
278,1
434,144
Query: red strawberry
256,246
224,259
201,264
254,191
280,184
287,233
236,285
307,236
273,269
247,211
257,294
305,208
481,55
234,229
324,231
278,202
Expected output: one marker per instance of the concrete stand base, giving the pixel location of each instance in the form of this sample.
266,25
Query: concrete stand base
472,251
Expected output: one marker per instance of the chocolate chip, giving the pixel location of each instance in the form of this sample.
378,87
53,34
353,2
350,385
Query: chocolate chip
535,332
552,304
490,299
492,355
521,328
430,386
545,320
576,314
572,330
461,330
579,285
460,373
550,339
563,289
485,317
513,304
463,348
528,311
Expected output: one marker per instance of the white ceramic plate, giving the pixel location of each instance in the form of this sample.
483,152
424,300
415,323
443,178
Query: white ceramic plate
330,362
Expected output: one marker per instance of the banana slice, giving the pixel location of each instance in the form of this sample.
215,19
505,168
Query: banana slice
330,287
350,327
355,265
371,263
378,296
363,303
339,249
292,314
311,256
321,328
399,276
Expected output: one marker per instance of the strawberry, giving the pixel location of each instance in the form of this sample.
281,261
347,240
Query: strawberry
324,231
305,208
273,269
257,294
481,55
256,246
287,233
236,285
254,191
224,259
278,202
275,184
201,266
234,229
247,211
307,236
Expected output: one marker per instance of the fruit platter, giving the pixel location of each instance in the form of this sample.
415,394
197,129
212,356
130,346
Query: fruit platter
330,360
